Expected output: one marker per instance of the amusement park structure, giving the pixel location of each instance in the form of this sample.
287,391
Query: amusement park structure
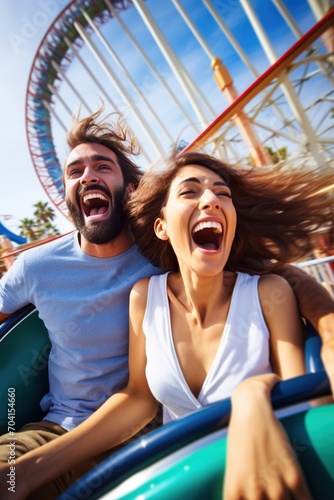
243,95
283,113
212,75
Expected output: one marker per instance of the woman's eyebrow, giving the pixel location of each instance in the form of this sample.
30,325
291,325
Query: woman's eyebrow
195,179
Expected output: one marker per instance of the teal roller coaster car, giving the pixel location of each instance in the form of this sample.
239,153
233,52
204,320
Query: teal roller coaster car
185,458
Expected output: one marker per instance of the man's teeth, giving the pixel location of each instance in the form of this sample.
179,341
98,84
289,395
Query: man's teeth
203,225
91,196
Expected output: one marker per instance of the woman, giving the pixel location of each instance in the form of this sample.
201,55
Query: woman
203,221
207,324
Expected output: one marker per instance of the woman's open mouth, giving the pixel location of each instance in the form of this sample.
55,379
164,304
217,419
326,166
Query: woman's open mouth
208,235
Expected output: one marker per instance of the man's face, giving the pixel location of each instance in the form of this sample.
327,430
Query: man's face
94,192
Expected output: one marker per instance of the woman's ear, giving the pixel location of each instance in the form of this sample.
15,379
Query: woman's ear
160,229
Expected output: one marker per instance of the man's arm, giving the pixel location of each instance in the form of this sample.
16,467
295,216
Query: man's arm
3,316
315,303
317,306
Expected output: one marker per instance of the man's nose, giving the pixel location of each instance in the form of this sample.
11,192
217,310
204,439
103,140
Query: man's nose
89,176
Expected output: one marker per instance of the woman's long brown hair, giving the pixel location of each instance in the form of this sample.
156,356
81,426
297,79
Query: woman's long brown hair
279,211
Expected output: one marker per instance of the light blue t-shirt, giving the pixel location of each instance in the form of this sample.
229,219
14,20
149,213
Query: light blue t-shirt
83,302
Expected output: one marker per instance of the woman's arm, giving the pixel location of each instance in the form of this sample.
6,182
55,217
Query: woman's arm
260,460
283,320
119,418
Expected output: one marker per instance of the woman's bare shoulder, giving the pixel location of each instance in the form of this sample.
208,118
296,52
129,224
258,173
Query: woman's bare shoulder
138,294
267,281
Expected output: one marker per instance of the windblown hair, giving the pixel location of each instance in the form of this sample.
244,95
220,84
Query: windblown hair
113,135
278,212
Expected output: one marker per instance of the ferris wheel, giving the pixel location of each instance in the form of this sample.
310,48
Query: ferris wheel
192,82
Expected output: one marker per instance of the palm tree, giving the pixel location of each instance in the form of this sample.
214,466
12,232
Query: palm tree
41,225
50,229
44,215
27,229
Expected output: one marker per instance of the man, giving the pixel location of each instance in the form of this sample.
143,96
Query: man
80,286
81,282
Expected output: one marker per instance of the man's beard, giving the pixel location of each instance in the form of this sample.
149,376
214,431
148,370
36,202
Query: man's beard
103,231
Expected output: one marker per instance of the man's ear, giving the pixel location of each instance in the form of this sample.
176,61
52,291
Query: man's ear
128,190
160,229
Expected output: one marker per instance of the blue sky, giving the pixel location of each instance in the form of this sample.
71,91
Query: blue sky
24,23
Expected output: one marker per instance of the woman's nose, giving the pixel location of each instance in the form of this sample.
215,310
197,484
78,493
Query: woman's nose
209,200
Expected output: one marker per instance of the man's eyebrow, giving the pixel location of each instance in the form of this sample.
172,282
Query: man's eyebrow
74,163
102,158
194,179
96,157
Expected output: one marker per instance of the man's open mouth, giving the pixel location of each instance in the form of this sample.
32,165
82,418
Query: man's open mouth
95,204
208,235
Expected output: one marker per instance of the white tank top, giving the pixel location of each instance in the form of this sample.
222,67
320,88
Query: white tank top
243,351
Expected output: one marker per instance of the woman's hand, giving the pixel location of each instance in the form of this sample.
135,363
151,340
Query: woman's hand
260,460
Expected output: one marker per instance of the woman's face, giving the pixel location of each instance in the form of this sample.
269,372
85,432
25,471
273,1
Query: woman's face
199,220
